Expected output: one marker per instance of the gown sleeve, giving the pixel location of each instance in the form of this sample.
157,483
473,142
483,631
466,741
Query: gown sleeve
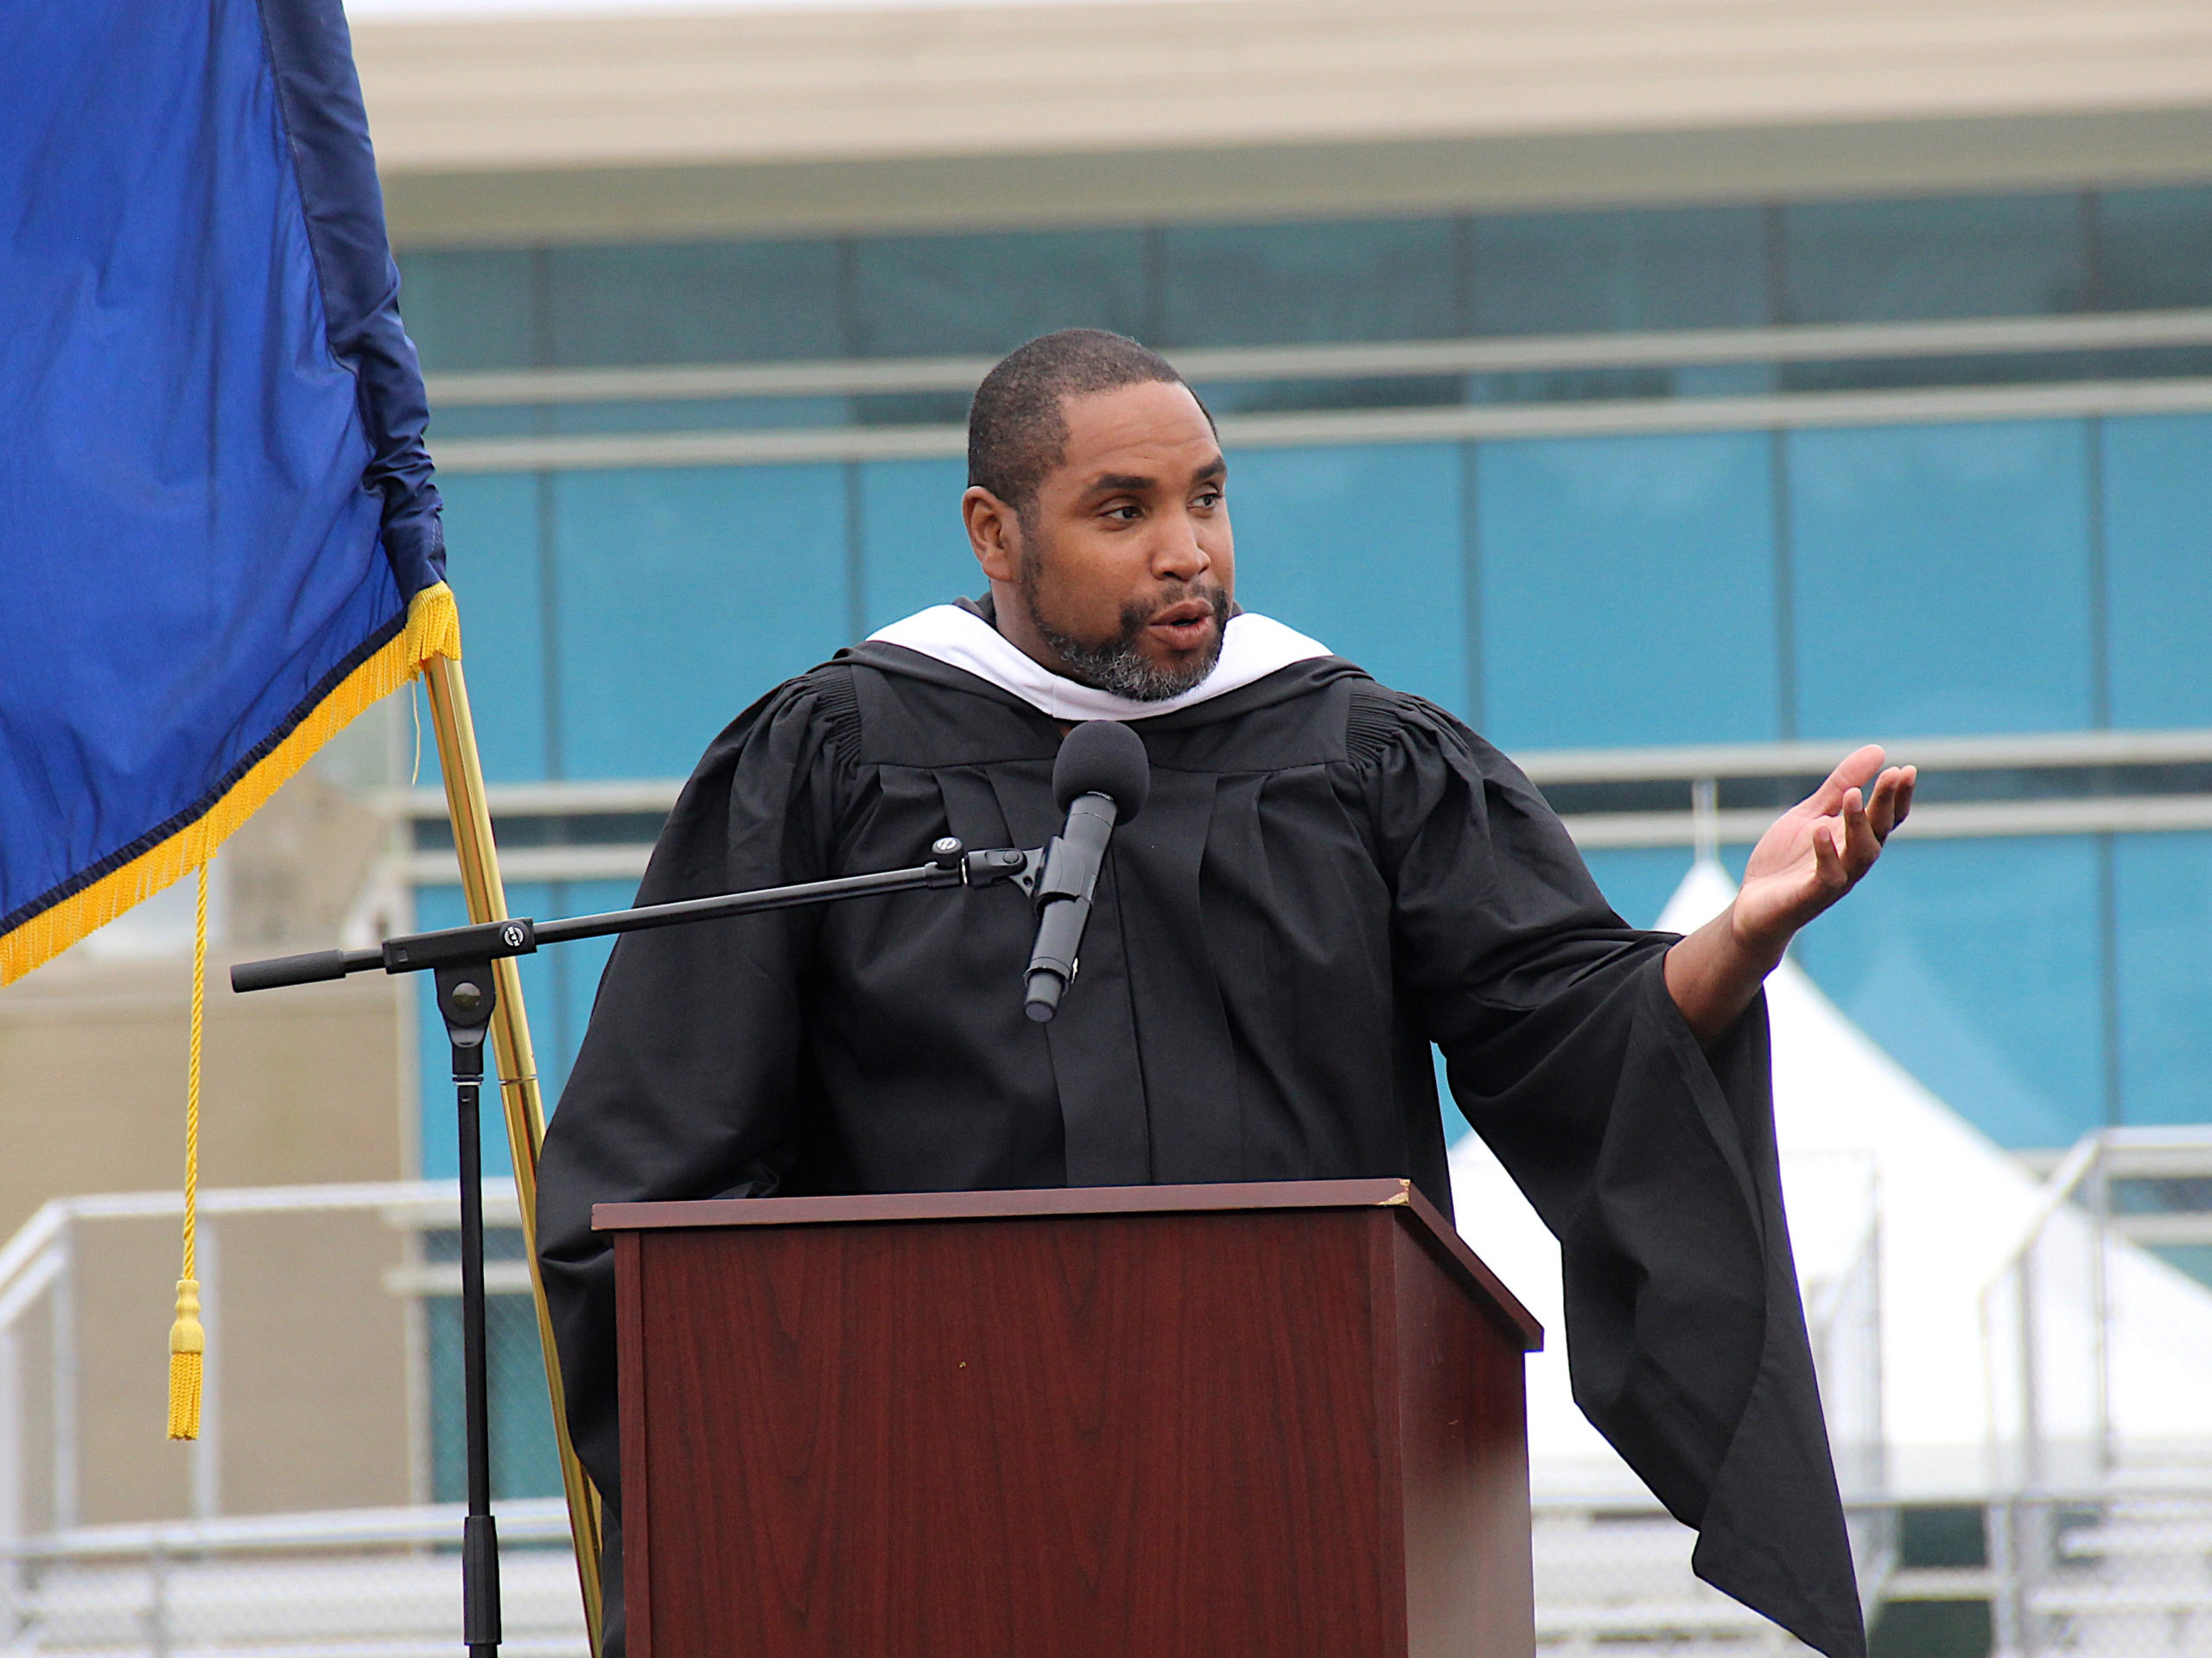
1652,1161
692,1079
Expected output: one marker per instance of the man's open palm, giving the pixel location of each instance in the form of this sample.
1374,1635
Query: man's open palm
1816,851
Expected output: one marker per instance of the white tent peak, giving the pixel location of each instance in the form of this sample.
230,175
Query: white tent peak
1704,893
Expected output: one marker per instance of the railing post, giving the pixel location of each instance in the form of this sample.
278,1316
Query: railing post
2100,1305
208,1449
11,1481
62,1314
2031,1461
157,1599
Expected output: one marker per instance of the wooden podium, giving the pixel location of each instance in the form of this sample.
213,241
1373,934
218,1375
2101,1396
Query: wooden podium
1234,1421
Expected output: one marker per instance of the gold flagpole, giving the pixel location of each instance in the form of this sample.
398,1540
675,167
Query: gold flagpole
525,1111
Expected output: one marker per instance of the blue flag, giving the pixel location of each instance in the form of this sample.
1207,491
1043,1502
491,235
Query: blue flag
218,538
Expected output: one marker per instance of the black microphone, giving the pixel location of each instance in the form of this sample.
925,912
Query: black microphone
1101,777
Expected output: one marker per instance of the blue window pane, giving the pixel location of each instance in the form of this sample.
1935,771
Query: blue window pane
935,296
2161,892
1942,578
696,302
1577,273
1284,284
1976,963
1638,881
1960,256
2158,486
438,1149
469,310
559,1031
914,551
1363,549
2154,249
1628,590
491,559
682,594
525,1461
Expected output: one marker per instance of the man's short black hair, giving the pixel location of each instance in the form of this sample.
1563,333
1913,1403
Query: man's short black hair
1016,431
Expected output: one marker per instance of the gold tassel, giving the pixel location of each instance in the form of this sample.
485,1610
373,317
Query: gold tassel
188,1346
188,1340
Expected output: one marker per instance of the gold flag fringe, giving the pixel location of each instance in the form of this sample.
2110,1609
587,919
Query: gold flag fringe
433,629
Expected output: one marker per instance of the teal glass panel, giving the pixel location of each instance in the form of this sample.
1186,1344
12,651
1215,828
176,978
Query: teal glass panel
469,309
1363,549
2154,249
1628,590
1638,881
1591,273
682,595
559,984
2161,912
1290,284
914,551
692,303
942,296
493,561
1975,964
525,1461
1942,256
1942,579
2158,491
576,970
438,1147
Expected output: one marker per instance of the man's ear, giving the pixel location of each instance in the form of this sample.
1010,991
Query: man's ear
994,534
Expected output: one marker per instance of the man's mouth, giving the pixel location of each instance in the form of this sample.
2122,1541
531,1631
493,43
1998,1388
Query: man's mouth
1185,625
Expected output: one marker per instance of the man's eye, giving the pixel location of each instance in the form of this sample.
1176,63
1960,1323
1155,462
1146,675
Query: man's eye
1126,511
1208,498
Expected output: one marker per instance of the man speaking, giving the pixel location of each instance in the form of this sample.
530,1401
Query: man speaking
1328,877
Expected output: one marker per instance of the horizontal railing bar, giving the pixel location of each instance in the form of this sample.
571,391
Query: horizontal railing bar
2037,750
443,1278
537,799
1685,347
2040,750
535,864
1805,759
2105,815
1441,423
522,1520
2099,815
28,1256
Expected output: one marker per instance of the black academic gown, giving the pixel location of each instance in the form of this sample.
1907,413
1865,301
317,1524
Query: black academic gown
1329,876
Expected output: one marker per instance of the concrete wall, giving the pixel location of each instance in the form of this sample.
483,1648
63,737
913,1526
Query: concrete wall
516,128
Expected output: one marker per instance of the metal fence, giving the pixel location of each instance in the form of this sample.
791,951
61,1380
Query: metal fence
312,1515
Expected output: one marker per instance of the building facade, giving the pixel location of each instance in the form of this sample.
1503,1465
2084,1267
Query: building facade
1678,398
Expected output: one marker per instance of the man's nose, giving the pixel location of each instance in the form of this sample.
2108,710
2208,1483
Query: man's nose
1177,554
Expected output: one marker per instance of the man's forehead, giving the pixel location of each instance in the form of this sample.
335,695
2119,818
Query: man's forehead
1136,434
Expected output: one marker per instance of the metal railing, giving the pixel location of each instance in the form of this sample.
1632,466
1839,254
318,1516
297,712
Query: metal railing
2050,1314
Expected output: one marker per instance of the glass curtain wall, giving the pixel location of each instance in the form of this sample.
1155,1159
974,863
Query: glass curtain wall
1915,571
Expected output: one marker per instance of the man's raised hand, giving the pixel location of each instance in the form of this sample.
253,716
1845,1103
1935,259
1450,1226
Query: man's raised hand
1817,850
1814,854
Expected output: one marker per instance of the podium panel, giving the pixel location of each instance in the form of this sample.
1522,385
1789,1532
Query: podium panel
1280,1420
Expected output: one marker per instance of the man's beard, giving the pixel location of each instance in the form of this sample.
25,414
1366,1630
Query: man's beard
1119,665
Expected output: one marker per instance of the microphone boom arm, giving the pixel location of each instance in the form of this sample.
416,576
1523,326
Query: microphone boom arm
950,865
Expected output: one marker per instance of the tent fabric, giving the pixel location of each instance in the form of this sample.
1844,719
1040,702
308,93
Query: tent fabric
218,538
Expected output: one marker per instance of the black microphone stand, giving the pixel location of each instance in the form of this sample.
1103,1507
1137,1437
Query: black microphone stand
461,959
